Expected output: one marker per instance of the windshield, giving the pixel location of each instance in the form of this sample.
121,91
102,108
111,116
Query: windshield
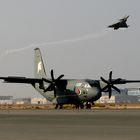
93,83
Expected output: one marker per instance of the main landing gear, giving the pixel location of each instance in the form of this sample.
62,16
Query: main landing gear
82,106
86,105
59,106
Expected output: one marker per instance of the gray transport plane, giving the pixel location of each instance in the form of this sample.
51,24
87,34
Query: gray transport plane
80,92
120,24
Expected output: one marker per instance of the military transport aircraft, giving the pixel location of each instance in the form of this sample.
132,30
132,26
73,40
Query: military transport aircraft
120,24
80,92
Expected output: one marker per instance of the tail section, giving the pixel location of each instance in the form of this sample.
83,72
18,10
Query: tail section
39,65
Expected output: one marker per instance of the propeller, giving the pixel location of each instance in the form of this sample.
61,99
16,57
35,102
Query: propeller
110,84
53,82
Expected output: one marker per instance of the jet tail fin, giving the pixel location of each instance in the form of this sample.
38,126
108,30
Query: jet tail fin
39,65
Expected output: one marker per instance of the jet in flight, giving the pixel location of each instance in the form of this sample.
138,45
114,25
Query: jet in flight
80,92
121,24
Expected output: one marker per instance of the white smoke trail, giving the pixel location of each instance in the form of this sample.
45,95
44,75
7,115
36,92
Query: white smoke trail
82,38
85,37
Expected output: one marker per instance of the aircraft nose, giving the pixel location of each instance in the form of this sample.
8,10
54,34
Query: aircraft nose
92,92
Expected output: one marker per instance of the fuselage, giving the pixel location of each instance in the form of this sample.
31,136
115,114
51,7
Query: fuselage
71,91
121,24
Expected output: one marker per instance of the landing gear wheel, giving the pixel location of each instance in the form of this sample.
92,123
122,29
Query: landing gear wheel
81,106
56,107
88,106
77,106
60,106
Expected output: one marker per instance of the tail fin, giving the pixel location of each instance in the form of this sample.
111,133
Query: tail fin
39,65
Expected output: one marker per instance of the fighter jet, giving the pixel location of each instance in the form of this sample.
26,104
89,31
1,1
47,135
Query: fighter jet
80,92
120,24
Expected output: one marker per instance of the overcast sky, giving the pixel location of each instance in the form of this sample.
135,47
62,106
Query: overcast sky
73,38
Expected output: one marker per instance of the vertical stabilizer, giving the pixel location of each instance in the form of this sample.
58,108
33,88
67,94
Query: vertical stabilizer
39,65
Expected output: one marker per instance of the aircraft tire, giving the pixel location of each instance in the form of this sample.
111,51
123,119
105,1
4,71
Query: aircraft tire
81,106
60,106
88,106
56,107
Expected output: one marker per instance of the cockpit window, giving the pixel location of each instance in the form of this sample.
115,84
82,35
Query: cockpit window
83,85
93,83
87,85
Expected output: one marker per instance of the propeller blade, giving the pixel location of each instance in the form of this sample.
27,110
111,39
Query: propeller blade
110,76
60,77
109,91
110,84
105,81
115,88
104,89
53,82
52,75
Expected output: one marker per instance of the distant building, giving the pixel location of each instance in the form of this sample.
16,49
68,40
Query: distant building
105,99
39,101
6,100
123,97
22,101
126,99
134,92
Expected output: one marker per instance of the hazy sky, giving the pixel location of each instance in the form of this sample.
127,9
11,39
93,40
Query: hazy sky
73,37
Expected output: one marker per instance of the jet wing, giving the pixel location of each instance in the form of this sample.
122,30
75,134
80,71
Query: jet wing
15,79
113,25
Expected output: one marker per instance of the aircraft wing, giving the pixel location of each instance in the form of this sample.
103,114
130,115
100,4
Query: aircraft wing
15,79
113,25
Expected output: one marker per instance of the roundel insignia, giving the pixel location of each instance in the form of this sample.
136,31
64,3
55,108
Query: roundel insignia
78,91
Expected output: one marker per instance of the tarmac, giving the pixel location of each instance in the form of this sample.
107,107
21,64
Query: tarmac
70,124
